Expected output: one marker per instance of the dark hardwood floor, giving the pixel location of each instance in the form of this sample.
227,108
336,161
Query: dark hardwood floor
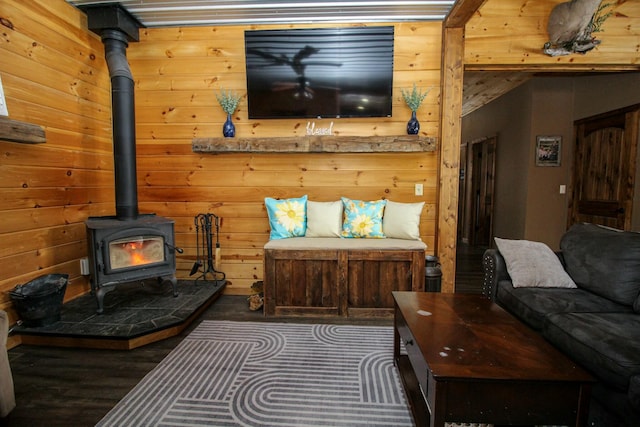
469,269
77,387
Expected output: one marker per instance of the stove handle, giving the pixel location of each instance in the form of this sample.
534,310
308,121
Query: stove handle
174,248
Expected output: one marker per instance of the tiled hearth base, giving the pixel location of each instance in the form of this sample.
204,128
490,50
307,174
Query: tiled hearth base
135,314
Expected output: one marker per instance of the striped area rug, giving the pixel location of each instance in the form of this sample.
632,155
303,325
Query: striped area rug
271,374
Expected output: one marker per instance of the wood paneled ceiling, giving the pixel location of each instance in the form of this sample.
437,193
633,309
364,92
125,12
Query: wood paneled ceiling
480,88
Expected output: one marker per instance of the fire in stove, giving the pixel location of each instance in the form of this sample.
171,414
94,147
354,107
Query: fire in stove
136,251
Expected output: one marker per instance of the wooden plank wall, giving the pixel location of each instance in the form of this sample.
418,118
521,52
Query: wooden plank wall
510,35
54,75
178,71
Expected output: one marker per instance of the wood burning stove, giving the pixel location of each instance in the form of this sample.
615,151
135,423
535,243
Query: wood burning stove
125,251
128,246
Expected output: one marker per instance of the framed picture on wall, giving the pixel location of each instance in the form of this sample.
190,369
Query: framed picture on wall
548,150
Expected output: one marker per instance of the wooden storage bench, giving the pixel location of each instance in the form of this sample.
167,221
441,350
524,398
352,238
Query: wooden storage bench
325,276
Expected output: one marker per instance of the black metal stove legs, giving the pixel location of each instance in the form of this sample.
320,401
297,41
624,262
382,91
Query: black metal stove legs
100,293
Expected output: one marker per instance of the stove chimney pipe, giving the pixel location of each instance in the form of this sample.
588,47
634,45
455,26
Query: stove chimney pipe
117,27
123,116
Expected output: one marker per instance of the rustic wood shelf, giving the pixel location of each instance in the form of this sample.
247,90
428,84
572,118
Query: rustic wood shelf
26,133
316,144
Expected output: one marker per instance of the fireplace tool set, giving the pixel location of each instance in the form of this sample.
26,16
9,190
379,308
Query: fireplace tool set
204,224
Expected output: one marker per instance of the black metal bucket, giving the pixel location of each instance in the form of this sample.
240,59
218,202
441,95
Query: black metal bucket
433,274
39,302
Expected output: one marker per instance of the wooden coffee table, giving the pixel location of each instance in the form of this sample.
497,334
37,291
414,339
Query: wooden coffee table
469,361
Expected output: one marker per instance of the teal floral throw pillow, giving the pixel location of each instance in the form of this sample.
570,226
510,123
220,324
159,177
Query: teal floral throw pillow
362,219
287,217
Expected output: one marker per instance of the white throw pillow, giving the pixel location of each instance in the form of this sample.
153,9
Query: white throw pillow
533,264
402,220
324,219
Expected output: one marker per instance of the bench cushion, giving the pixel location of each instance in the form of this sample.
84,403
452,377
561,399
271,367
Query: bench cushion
317,243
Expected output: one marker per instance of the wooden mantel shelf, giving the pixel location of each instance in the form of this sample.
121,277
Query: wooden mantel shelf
15,131
316,144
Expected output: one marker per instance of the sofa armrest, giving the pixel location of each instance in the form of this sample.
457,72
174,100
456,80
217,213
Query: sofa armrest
634,392
7,397
495,269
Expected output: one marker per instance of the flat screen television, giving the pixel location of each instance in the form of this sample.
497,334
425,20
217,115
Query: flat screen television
319,72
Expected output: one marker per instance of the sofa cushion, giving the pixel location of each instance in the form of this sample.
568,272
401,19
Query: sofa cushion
324,219
287,217
634,391
533,264
611,406
604,261
362,219
402,220
531,305
607,344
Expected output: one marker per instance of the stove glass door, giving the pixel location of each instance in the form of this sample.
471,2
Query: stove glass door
136,251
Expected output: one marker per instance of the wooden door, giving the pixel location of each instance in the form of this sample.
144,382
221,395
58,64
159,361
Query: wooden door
604,168
482,191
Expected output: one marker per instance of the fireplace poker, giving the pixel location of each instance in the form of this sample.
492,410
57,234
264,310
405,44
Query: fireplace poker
217,266
198,263
204,231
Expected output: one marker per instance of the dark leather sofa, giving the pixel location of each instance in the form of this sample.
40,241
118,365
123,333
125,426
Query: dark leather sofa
596,324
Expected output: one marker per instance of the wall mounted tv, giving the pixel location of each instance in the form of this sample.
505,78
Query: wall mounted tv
320,72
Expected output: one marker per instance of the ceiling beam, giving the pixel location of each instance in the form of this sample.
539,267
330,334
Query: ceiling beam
461,12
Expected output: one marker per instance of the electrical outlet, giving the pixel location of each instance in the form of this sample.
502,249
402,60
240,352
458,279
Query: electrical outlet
419,190
563,189
84,266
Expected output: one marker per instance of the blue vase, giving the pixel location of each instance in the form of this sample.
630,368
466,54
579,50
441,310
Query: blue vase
413,126
229,129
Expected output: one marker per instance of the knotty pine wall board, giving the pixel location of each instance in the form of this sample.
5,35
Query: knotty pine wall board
513,33
47,218
178,72
30,240
54,75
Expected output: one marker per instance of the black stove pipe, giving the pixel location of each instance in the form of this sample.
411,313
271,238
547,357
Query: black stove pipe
123,118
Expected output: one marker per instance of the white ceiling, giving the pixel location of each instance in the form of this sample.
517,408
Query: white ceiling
163,13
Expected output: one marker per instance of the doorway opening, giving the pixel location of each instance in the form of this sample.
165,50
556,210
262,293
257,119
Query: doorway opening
475,212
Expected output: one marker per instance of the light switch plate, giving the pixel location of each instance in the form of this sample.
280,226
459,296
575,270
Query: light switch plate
419,190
